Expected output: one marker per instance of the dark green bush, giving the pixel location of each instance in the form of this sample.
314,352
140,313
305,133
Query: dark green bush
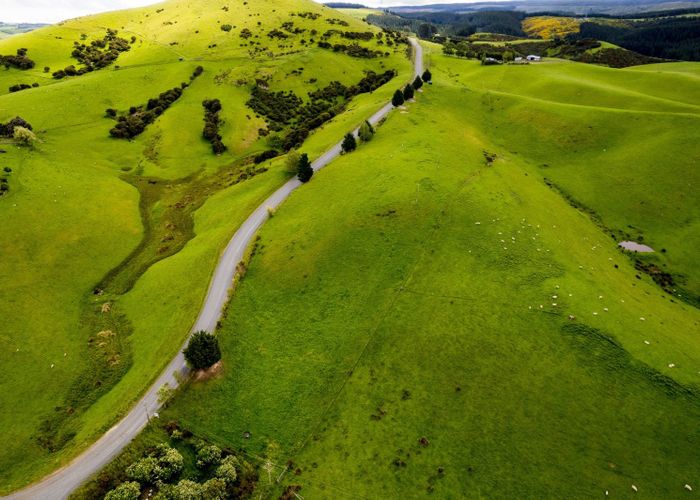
304,170
202,350
211,125
98,54
19,61
8,129
349,143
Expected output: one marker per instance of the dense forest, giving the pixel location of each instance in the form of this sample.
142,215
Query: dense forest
448,23
669,38
651,35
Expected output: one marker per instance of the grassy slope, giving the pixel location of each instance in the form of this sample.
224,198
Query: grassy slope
420,302
69,218
593,125
361,13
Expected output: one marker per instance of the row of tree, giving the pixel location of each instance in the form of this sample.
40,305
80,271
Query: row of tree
401,96
133,123
365,132
286,109
203,348
212,108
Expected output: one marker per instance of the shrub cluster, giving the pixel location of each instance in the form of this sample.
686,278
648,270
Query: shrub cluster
8,129
351,35
338,22
308,15
474,50
616,58
211,125
266,155
135,121
196,73
289,26
162,472
22,86
370,82
353,50
283,109
226,27
4,182
278,107
574,48
162,465
98,54
275,33
19,61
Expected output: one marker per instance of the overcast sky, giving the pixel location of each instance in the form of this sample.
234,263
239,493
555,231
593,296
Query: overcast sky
51,11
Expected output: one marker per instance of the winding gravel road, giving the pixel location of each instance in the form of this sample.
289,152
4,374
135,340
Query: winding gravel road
62,482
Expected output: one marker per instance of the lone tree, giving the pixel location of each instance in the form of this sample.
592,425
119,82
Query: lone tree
202,350
304,170
366,132
349,143
398,99
417,83
292,160
408,92
427,76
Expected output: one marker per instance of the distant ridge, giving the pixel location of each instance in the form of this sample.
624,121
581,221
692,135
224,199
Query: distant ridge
345,5
9,29
610,7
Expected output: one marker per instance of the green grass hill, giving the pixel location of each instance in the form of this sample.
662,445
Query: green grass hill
108,243
459,321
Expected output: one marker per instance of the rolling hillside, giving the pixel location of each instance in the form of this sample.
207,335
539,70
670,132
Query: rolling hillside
444,311
108,243
460,322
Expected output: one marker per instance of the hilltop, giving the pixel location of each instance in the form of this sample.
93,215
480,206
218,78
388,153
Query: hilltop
114,219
